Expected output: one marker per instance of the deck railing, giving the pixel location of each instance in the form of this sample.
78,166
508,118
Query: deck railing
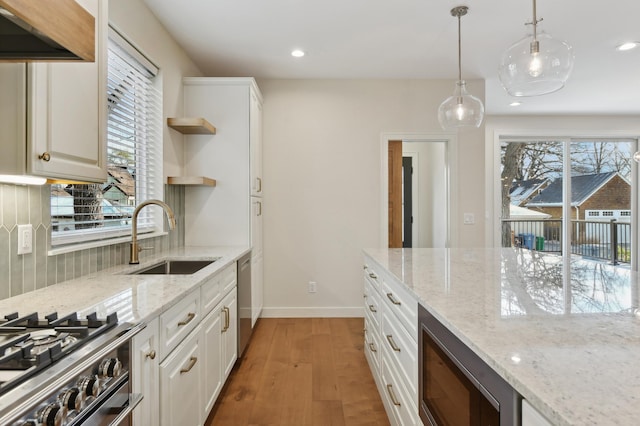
609,241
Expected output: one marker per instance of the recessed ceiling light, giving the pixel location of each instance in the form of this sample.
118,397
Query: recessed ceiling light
297,53
516,103
627,46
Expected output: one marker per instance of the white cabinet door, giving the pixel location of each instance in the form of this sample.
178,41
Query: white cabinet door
68,111
229,315
145,375
212,358
255,144
180,384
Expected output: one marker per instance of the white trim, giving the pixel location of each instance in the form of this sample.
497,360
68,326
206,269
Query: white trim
313,312
451,172
101,243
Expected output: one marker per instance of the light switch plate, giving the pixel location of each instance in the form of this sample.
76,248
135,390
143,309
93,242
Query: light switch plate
25,239
469,219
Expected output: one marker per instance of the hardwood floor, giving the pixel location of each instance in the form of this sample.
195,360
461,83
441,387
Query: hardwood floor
299,372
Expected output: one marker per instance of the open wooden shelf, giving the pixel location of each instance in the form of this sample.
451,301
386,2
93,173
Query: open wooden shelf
192,126
191,180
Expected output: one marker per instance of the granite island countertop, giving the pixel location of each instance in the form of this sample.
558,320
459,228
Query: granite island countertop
565,336
136,298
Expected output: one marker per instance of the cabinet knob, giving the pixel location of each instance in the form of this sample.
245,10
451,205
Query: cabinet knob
151,354
45,156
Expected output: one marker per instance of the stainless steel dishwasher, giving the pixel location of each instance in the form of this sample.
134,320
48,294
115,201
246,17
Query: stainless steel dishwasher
244,302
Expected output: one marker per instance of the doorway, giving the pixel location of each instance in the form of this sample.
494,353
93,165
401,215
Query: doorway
417,184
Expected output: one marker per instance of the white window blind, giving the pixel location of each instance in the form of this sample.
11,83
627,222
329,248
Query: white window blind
81,213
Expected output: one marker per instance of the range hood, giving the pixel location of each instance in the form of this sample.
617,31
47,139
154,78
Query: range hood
46,30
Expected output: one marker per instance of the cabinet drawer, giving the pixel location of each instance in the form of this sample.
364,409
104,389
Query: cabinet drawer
400,408
210,294
372,307
178,321
402,350
399,301
228,278
371,274
372,347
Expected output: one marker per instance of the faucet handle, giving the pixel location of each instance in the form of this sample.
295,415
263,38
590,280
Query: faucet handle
144,248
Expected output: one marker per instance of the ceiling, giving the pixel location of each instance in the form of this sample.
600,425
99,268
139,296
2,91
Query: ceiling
410,39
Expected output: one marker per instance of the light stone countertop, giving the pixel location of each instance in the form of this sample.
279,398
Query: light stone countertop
565,336
136,298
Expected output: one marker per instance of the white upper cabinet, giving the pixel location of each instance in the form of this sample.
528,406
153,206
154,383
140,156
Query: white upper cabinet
67,119
62,106
255,144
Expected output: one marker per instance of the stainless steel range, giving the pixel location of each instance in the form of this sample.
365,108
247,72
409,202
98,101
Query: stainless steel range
67,370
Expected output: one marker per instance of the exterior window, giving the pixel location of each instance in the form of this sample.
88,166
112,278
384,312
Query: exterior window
89,212
568,196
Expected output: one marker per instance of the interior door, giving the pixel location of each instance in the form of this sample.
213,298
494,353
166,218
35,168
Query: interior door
407,201
395,194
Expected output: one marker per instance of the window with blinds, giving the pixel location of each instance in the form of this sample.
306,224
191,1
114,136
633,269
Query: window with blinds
88,212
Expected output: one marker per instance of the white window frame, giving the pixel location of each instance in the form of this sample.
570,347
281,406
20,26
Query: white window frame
88,238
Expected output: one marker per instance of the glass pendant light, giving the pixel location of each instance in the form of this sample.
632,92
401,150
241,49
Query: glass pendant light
536,65
461,109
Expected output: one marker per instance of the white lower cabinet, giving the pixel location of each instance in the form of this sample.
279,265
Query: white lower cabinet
391,343
181,362
145,378
180,376
531,416
212,361
229,331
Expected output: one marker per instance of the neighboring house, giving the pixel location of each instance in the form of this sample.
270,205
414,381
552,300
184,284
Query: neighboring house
601,196
120,188
522,191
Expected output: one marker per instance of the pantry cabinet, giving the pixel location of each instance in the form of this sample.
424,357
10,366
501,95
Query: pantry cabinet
57,113
235,207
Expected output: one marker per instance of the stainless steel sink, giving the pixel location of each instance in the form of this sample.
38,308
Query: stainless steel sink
174,267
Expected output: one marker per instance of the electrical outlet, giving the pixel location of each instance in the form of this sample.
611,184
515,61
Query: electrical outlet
25,239
469,219
312,287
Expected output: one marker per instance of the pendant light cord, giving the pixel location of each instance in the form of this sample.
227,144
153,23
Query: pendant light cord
535,22
460,50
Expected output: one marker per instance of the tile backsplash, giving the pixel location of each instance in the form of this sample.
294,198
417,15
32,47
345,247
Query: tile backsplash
21,205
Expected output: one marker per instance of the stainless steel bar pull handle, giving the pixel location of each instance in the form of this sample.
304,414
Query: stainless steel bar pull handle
258,185
190,317
372,308
392,343
372,275
392,395
226,319
192,362
393,299
372,347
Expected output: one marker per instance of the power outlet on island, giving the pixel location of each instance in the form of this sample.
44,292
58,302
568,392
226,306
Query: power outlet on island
312,287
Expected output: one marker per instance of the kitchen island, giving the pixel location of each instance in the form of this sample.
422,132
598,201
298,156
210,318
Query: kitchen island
565,336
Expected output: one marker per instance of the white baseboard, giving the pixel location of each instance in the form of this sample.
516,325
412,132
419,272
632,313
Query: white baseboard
315,312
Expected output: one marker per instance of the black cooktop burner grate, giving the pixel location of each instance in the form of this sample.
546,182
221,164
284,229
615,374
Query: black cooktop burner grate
28,344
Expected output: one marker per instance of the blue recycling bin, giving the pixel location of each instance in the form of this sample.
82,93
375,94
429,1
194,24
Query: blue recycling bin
528,240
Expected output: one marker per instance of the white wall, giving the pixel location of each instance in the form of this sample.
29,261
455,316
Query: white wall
135,21
322,182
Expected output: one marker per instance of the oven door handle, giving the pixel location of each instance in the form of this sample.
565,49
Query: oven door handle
133,401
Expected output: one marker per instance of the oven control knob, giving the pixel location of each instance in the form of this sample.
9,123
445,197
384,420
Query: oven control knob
110,367
71,399
89,386
50,415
